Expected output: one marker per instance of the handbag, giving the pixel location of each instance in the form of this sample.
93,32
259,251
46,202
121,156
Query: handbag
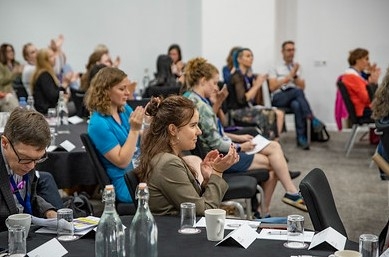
320,136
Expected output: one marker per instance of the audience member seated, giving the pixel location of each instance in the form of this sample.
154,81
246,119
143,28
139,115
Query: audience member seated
361,80
245,101
114,63
23,144
230,68
29,54
45,85
114,127
380,107
201,82
174,129
174,51
287,89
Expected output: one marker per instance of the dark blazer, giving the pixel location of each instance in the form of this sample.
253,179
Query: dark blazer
7,202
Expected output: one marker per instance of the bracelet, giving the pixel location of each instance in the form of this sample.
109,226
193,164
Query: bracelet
217,170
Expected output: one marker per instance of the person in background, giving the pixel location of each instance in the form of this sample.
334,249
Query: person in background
174,51
29,54
10,73
45,85
245,99
104,48
114,127
164,75
230,68
23,144
380,113
171,181
287,90
201,82
361,81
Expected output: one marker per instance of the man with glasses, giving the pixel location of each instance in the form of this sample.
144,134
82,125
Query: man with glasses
23,144
287,91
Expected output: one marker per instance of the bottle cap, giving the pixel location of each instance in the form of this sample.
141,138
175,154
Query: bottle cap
109,187
142,185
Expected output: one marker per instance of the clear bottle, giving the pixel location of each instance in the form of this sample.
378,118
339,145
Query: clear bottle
145,82
30,103
22,102
62,115
143,229
110,236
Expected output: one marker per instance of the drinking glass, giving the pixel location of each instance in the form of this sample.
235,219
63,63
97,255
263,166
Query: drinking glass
52,117
295,236
17,241
188,219
368,245
65,228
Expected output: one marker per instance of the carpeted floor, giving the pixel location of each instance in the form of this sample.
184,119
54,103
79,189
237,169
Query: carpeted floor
360,195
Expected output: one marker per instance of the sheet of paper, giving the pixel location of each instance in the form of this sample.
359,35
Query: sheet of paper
331,236
260,143
385,254
232,223
75,119
51,148
244,236
67,145
280,234
52,248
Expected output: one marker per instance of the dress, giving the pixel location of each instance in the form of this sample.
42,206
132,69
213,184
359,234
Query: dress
105,134
46,93
7,201
213,136
290,96
171,183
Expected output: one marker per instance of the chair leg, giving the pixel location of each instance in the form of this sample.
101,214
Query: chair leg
238,206
309,131
261,198
351,140
249,214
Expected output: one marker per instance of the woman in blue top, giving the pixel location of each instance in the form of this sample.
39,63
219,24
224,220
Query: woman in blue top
113,127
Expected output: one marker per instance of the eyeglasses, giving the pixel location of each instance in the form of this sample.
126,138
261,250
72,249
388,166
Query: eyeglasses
28,161
290,50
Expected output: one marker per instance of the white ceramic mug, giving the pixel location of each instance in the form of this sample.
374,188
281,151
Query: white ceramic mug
214,223
20,219
347,253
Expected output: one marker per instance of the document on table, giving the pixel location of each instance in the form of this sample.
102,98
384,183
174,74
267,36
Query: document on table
260,143
232,223
281,234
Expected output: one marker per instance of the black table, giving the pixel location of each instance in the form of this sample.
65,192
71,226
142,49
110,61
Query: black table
172,244
70,168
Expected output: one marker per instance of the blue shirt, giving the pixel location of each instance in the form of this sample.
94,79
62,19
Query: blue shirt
106,134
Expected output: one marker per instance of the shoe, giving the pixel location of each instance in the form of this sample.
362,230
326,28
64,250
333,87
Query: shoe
294,174
257,215
295,201
302,142
317,125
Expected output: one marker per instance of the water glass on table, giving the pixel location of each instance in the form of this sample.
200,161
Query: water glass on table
295,234
17,241
188,219
65,228
368,245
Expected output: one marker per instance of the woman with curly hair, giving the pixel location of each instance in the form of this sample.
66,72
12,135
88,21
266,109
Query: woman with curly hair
114,127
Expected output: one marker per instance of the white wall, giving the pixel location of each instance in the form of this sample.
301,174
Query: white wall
139,30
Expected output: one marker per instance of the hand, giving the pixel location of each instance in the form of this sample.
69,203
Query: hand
260,78
219,96
50,214
296,66
131,87
244,138
374,75
136,118
247,146
116,63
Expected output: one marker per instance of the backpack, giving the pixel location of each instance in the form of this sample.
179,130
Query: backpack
320,136
80,205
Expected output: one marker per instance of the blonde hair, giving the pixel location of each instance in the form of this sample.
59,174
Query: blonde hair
197,69
43,64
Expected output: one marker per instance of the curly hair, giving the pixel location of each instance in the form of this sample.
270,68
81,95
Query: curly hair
380,104
97,97
197,69
177,110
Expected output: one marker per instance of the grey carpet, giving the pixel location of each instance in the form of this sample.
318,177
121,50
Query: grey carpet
360,195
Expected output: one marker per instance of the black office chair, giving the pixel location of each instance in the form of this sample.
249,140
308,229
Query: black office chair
102,177
164,91
77,97
132,183
355,121
319,200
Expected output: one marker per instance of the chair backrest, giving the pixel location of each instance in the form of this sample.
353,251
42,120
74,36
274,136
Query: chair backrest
135,103
132,183
164,91
77,97
101,174
347,101
319,200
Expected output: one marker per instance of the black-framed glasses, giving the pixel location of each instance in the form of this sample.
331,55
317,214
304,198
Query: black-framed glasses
28,161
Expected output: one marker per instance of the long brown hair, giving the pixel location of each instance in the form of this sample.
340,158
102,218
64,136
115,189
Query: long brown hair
177,110
43,65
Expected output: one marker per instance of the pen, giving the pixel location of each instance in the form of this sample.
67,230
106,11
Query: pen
279,232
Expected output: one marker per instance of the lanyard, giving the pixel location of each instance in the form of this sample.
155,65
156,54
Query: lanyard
26,203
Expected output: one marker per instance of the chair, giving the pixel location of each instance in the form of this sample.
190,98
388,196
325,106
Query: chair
319,200
77,97
102,177
164,91
141,102
132,183
356,122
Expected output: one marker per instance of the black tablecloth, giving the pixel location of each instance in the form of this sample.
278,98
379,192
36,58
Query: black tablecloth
70,168
173,244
